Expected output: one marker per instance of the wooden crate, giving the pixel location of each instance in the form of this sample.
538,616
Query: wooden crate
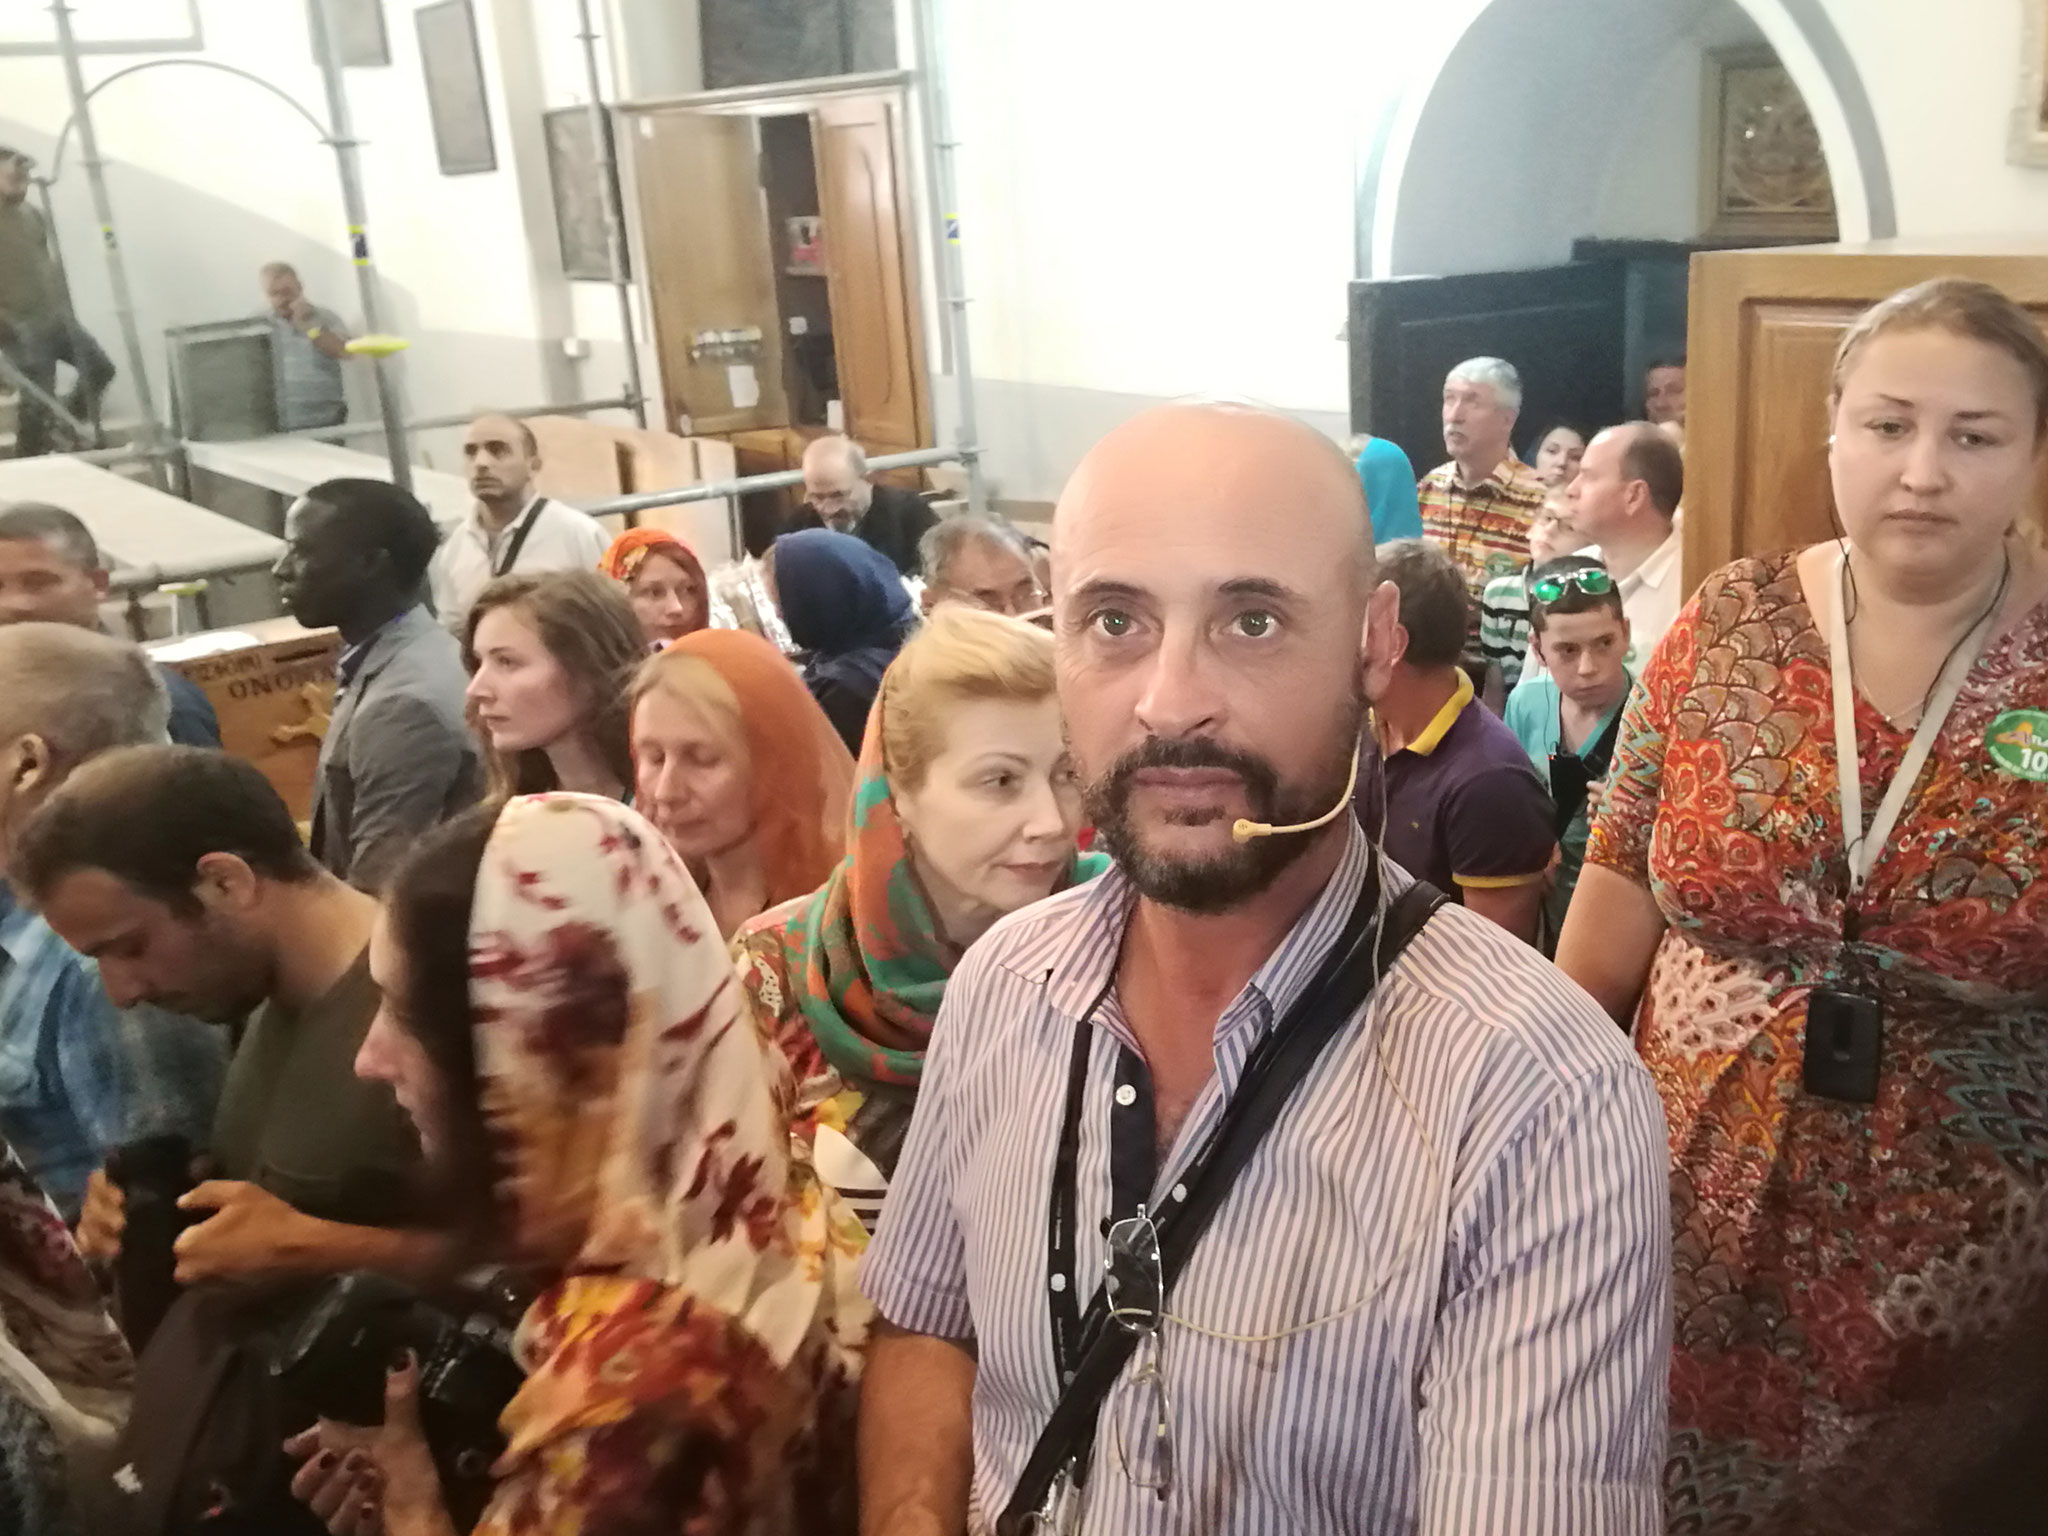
274,702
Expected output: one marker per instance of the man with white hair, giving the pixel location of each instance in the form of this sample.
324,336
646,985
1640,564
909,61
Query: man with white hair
78,1078
1479,506
838,495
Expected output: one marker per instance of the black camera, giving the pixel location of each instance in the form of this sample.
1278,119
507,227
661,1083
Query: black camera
153,1174
334,1367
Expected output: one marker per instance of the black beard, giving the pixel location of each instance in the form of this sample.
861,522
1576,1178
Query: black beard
1219,881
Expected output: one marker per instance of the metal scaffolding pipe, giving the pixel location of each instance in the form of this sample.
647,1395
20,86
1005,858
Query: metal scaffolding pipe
602,146
629,506
103,209
435,423
935,112
341,135
64,133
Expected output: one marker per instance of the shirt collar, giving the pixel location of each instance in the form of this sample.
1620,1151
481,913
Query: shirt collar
1495,480
1439,727
476,520
1656,570
352,657
17,928
1083,966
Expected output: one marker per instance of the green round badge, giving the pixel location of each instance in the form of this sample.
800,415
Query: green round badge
2018,742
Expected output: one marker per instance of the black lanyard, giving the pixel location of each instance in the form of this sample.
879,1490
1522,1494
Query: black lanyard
509,556
1133,1165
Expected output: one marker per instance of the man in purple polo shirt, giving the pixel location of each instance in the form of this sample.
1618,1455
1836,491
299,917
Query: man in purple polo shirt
1463,808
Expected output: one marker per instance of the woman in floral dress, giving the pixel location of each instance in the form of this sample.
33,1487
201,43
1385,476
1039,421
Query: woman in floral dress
1861,1281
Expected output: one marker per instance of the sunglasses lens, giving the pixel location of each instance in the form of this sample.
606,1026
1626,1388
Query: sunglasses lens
1134,1274
1548,590
1595,583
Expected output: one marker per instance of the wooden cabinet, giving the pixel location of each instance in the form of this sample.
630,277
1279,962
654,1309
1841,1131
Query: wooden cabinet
1764,326
749,340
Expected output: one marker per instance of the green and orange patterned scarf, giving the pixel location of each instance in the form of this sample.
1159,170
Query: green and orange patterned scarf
865,954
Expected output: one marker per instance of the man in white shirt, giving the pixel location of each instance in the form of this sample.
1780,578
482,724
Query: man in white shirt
512,527
1626,501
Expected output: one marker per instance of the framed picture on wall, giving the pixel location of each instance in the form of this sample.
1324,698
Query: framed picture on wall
2030,114
358,28
1762,172
574,165
457,98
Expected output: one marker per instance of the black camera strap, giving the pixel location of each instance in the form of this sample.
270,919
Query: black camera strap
1276,1067
508,557
1573,774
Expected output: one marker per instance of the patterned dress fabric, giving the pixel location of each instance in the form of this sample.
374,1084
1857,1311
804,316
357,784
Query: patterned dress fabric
693,1368
1862,1291
849,978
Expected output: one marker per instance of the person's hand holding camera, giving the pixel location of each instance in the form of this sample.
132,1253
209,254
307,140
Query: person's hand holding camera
364,1481
251,1234
103,1220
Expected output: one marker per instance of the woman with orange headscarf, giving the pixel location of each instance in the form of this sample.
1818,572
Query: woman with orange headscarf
740,769
665,580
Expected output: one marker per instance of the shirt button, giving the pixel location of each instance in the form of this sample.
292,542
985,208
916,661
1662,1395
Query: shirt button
1180,1191
1127,1096
1059,1282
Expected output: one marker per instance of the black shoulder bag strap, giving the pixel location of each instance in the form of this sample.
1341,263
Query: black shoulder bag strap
1596,759
1337,991
510,558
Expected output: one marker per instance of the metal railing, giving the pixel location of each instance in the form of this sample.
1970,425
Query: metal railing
630,507
435,423
134,580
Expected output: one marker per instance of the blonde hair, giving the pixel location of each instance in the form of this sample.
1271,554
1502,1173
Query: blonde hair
1960,306
693,680
588,625
961,653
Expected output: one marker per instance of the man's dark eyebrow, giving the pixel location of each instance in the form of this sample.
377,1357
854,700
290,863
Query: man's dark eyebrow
1261,586
1103,587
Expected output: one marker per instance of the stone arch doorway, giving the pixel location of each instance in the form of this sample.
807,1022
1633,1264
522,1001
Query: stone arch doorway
1407,220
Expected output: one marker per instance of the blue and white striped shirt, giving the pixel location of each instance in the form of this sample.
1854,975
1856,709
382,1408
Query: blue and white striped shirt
1496,1362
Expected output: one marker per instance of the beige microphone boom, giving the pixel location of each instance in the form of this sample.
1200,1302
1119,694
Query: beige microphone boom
1244,831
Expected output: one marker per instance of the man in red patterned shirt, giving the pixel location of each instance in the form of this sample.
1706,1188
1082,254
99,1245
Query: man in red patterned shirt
1479,506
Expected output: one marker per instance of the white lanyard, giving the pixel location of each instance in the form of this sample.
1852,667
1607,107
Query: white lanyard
1865,848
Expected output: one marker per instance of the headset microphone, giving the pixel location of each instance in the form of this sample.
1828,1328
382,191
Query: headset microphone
1245,831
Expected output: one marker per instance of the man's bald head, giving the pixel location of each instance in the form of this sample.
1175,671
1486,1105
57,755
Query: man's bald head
1239,460
836,482
1213,574
71,694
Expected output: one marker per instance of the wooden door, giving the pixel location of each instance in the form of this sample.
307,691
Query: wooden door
1764,328
1562,328
710,271
876,321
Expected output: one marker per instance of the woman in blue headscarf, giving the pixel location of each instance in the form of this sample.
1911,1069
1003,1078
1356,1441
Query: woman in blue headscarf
1389,481
847,609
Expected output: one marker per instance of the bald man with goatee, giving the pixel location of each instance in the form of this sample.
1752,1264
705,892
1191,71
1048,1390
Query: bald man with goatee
1251,1190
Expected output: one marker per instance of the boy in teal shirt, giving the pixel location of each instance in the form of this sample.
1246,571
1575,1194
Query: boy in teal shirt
1568,718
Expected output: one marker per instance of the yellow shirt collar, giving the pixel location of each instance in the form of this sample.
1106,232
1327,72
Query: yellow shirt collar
1434,733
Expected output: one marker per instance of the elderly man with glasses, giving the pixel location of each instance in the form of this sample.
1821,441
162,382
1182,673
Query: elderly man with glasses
838,495
985,561
1252,1189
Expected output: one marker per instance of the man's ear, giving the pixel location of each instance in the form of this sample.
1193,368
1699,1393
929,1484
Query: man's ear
30,768
1384,642
1536,646
102,582
224,882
